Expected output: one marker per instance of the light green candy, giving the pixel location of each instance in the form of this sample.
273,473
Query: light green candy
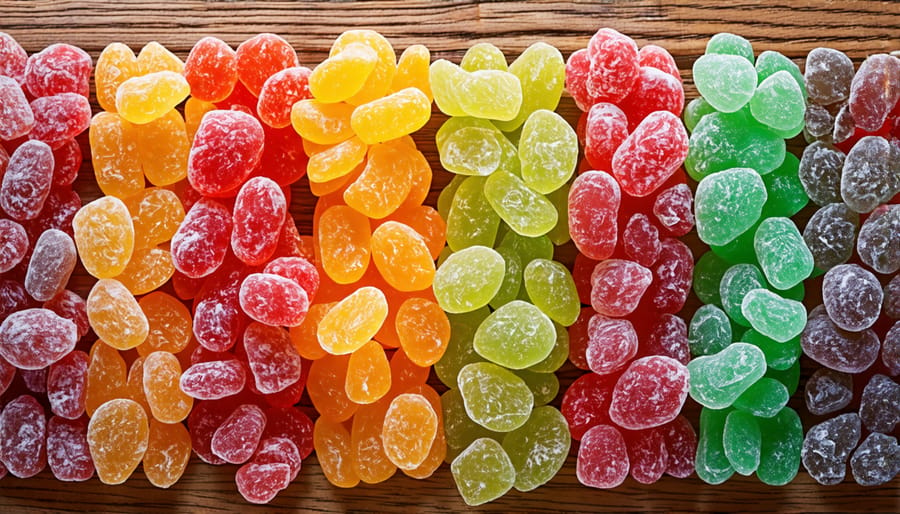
727,204
512,279
483,472
711,464
769,63
491,94
471,220
538,449
550,285
782,441
459,350
544,386
495,397
460,431
548,151
559,234
782,253
542,73
763,399
731,44
741,440
727,82
468,279
558,355
722,141
773,316
471,151
446,80
737,281
709,332
695,110
786,195
778,102
717,380
483,56
528,248
525,211
445,198
516,336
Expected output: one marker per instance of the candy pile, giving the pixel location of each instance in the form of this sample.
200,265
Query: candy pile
626,211
508,301
43,107
860,114
746,339
376,328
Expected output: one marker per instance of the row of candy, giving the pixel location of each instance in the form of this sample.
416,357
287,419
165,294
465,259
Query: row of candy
376,329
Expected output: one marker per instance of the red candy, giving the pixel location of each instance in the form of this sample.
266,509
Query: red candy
606,128
35,338
23,431
67,385
227,147
650,154
640,240
274,300
279,450
668,337
650,393
260,57
274,362
259,212
236,439
672,277
659,58
647,454
260,483
12,58
214,379
614,66
67,162
71,306
617,286
218,318
280,92
26,183
283,159
211,70
59,118
13,244
59,68
673,209
16,118
293,424
681,446
585,403
68,453
201,242
593,208
602,458
655,90
297,269
611,344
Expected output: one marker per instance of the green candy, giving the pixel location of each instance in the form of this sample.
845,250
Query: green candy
516,335
798,292
789,377
709,332
737,281
544,386
782,441
695,110
717,380
459,350
559,234
483,56
726,81
782,253
778,102
471,151
558,355
471,220
468,279
550,285
512,279
527,212
491,95
445,79
773,316
528,248
548,151
538,449
742,441
769,63
711,464
727,204
494,397
730,44
483,472
708,272
459,430
763,399
542,73
779,356
785,192
740,249
721,141
445,198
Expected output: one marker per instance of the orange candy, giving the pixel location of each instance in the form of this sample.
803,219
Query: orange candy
169,321
372,464
410,427
168,403
118,434
335,452
116,316
326,388
402,257
106,377
353,321
344,236
368,374
168,453
423,330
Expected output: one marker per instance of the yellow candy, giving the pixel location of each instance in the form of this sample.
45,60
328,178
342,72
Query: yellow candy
148,269
148,97
117,436
337,161
104,235
115,315
194,110
393,116
115,156
353,321
380,79
343,74
322,123
155,57
412,70
163,147
115,65
156,214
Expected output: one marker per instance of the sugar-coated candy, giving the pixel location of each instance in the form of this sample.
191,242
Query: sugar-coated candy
727,82
401,256
17,118
516,336
830,235
602,458
104,236
115,315
67,385
828,391
333,449
778,101
875,243
650,154
828,75
14,244
258,293
494,397
212,380
280,92
852,297
68,455
468,279
145,98
828,445
260,483
728,203
115,157
840,350
238,436
211,70
782,439
118,435
547,151
736,282
647,455
483,472
273,361
873,91
27,180
649,393
611,344
763,399
876,460
594,200
59,118
868,177
209,172
23,427
279,450
538,448
782,253
168,403
201,242
52,262
617,286
410,426
59,68
14,58
669,337
710,331
879,407
33,339
717,380
168,453
773,316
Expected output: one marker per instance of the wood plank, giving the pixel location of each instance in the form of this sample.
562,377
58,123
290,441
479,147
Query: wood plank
792,27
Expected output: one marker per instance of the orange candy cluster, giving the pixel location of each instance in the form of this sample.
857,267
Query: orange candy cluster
375,328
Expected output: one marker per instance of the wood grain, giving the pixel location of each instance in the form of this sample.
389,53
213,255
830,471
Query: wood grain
792,27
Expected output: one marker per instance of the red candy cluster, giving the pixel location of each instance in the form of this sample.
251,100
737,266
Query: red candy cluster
627,208
43,107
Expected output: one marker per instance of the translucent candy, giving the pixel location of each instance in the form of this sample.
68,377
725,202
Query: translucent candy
828,391
874,91
115,155
617,286
727,204
35,338
167,402
201,242
828,76
27,180
23,428
875,243
538,448
145,98
722,141
611,344
424,330
67,385
483,472
227,147
353,321
260,57
764,399
333,447
104,235
771,315
879,407
742,441
778,102
867,179
541,72
118,435
468,279
238,436
820,172
67,450
393,116
494,397
524,210
602,458
727,82
876,461
516,336
211,70
717,380
368,374
782,439
830,235
115,315
410,426
827,447
827,344
547,151
650,154
852,297
52,262
168,453
650,393
402,257
710,331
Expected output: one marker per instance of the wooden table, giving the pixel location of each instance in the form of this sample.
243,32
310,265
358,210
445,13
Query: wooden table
793,27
